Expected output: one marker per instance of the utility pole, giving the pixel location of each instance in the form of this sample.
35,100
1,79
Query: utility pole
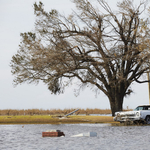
148,77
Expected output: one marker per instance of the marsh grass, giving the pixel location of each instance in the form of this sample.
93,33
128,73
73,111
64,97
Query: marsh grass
53,111
13,112
94,119
27,119
45,119
40,116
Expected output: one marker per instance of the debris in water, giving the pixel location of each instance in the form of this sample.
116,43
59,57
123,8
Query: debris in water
52,133
88,134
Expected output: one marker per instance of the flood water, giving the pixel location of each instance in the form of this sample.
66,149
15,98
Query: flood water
29,137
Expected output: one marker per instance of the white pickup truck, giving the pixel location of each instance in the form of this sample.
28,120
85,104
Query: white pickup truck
140,114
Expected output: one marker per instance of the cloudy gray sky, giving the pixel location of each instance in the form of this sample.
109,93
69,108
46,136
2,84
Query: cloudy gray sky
17,16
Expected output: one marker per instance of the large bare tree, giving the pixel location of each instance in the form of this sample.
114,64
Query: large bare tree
101,48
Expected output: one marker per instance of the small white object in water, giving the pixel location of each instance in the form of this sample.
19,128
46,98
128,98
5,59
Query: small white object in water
88,134
53,131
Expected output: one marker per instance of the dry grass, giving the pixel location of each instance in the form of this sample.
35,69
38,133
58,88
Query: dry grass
87,111
40,116
45,119
94,119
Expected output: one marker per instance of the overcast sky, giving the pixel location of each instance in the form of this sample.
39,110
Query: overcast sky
17,16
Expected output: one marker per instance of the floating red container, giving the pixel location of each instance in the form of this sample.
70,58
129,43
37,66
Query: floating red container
52,134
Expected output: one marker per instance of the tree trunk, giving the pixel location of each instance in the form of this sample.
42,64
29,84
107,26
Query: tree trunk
116,103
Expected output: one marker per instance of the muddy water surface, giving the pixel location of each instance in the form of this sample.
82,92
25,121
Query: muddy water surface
29,137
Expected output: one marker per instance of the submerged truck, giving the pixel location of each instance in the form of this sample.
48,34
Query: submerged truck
138,115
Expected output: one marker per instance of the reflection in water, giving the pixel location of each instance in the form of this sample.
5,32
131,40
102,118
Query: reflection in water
29,137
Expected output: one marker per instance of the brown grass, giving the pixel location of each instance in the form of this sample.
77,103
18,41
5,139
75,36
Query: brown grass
14,112
45,119
31,112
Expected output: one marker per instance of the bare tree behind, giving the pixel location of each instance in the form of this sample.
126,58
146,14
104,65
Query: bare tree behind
101,48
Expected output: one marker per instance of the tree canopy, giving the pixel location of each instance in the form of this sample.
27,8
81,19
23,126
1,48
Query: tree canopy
105,49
